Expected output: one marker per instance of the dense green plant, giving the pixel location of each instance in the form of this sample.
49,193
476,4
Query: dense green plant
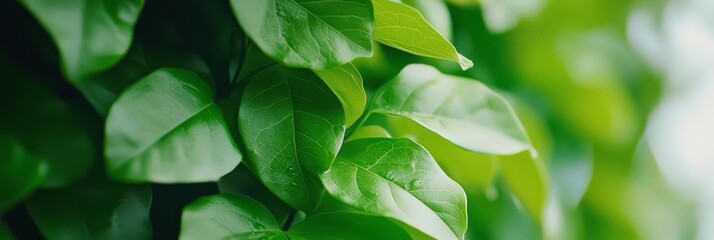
266,101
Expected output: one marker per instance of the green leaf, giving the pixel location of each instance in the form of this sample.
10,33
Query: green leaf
471,170
20,172
93,209
242,182
345,225
525,177
166,129
92,35
317,34
397,178
346,82
371,131
47,127
463,111
5,233
293,125
227,216
400,26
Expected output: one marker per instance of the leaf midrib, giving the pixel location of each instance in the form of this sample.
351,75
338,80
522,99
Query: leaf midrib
400,187
162,136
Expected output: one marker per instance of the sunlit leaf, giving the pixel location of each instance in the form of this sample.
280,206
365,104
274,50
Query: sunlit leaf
397,178
403,27
293,125
525,177
346,82
166,128
463,111
318,34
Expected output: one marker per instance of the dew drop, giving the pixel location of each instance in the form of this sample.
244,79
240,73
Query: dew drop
294,183
291,169
416,184
391,176
272,169
413,165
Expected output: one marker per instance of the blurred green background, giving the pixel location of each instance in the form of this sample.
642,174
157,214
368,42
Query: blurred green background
618,97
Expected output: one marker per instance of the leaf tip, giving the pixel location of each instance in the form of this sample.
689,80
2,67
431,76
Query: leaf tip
464,62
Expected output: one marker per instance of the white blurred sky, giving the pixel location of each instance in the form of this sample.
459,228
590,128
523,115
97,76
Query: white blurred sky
679,41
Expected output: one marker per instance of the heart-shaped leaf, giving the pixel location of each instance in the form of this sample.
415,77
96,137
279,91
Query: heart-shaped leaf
91,35
400,26
461,110
166,128
293,125
399,179
317,34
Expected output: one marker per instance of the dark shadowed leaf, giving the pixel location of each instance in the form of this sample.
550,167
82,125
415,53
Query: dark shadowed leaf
20,172
91,35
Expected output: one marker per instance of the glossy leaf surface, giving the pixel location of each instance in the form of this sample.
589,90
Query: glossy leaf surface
463,111
293,125
400,26
346,82
91,35
317,34
166,128
227,216
399,179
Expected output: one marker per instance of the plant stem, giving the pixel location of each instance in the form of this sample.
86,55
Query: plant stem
289,221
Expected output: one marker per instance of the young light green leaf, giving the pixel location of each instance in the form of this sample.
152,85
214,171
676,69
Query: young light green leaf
399,179
91,35
400,26
526,178
294,126
20,172
471,170
317,34
93,209
346,226
227,216
346,82
166,128
463,111
371,131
